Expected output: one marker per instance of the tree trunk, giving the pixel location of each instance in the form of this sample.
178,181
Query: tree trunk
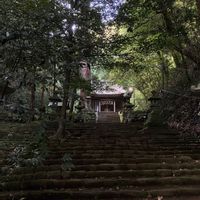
4,90
168,22
190,53
163,79
61,125
198,6
54,81
186,69
32,102
42,106
32,97
72,105
164,71
42,96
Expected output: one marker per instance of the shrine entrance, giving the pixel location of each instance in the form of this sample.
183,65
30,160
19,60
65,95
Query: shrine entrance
107,105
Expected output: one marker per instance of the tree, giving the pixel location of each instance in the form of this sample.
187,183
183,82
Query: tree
41,36
82,29
26,38
165,32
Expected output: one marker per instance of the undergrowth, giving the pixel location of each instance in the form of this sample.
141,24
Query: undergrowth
29,153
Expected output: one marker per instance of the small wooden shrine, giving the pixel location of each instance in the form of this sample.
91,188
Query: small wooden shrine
109,100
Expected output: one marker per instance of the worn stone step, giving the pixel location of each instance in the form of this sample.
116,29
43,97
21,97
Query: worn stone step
85,159
111,167
127,152
121,160
141,166
105,183
60,174
111,161
123,134
127,148
184,193
54,155
115,161
122,143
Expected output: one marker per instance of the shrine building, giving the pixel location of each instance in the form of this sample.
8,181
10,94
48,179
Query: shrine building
108,102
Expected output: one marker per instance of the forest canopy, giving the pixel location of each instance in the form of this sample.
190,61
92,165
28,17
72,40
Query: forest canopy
148,45
157,44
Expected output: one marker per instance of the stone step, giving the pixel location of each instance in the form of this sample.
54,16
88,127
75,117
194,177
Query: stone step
86,161
110,117
138,166
54,155
126,150
111,167
185,193
114,139
60,174
123,152
104,183
139,145
110,161
120,161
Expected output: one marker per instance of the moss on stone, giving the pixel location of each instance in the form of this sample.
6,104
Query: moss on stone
155,118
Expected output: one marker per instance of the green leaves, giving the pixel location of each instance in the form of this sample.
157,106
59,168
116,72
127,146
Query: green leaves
67,162
166,26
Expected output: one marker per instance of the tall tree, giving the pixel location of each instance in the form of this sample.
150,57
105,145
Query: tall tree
149,29
82,32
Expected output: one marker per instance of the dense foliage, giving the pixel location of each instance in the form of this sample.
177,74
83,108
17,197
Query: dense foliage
42,44
156,45
148,45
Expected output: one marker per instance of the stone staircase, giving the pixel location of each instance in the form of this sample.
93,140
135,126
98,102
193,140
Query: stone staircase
108,117
112,162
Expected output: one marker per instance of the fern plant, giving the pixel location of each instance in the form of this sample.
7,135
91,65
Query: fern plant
67,162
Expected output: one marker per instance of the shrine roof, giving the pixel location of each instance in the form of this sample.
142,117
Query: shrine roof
107,95
109,91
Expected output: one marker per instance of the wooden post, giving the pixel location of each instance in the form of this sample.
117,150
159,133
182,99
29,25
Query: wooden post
99,106
114,106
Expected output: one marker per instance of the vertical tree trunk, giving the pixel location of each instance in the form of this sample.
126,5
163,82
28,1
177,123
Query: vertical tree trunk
32,97
42,95
168,21
189,51
4,90
61,125
54,80
162,69
32,101
186,69
72,104
198,6
42,106
163,79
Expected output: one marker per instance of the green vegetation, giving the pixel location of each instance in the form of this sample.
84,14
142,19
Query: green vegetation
147,45
155,46
28,149
144,45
